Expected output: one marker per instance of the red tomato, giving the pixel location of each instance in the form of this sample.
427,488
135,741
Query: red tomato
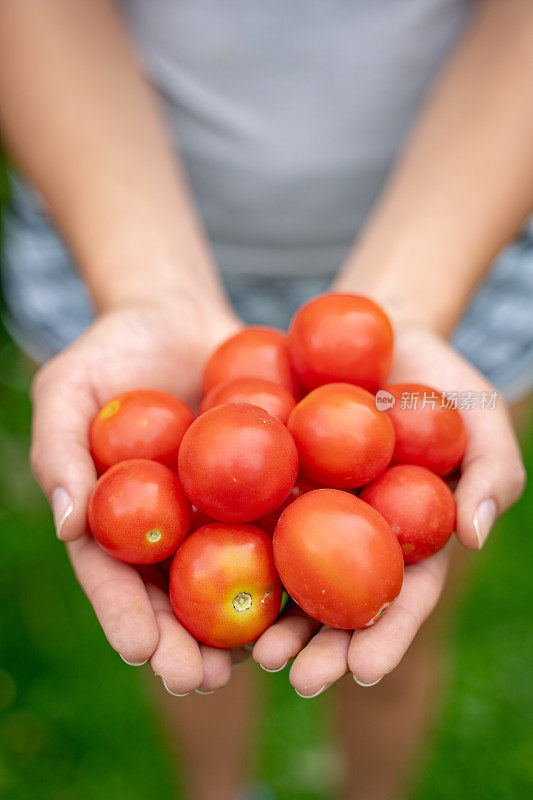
237,463
431,437
144,423
224,587
273,397
251,353
138,512
302,486
199,519
341,338
418,506
343,441
338,558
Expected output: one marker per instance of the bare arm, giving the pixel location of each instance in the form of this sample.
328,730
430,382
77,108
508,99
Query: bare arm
461,189
83,123
464,183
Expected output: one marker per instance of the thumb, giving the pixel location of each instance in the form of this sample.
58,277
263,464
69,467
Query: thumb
63,406
493,475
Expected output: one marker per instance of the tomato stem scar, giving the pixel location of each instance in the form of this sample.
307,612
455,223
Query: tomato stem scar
153,536
242,601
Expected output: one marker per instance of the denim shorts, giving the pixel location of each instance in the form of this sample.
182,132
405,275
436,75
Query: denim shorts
48,305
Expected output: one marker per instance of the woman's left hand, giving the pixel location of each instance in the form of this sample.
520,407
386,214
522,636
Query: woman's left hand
492,479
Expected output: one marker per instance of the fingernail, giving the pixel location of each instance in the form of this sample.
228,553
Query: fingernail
278,669
310,696
484,519
62,507
133,663
362,683
199,691
174,694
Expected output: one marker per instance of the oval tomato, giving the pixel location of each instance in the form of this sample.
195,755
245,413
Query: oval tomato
224,588
418,506
237,463
144,423
272,397
343,441
251,353
430,435
138,513
302,486
338,558
341,338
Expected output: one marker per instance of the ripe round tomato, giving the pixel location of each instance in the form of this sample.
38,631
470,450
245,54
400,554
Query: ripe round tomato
273,397
237,463
251,353
144,423
198,519
418,506
430,435
343,441
341,338
138,512
338,558
302,486
224,587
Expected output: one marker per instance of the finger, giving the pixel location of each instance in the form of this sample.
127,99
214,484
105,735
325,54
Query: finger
378,650
177,658
62,409
321,663
239,655
217,669
119,598
284,639
493,475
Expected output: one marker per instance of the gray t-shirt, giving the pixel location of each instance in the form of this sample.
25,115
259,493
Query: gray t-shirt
288,113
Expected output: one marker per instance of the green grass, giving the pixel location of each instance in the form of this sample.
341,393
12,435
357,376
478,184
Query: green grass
75,724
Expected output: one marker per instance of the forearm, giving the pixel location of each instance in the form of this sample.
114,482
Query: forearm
464,183
81,121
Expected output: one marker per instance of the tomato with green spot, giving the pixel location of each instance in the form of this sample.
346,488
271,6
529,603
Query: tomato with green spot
138,512
224,588
144,423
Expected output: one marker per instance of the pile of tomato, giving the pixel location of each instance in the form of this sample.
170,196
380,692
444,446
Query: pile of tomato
290,477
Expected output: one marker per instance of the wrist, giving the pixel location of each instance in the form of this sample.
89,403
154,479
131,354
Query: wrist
205,321
411,296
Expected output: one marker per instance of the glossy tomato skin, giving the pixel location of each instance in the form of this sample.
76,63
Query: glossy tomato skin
341,338
144,423
338,558
224,588
272,397
302,486
138,512
429,437
418,506
251,353
343,441
237,463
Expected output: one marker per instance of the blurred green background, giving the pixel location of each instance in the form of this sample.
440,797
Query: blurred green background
76,725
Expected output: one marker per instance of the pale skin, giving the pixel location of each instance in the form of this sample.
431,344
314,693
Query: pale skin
128,217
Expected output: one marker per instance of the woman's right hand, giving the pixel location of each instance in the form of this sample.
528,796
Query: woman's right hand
160,345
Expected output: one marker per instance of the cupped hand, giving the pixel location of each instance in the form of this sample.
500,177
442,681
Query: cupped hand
492,479
156,345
